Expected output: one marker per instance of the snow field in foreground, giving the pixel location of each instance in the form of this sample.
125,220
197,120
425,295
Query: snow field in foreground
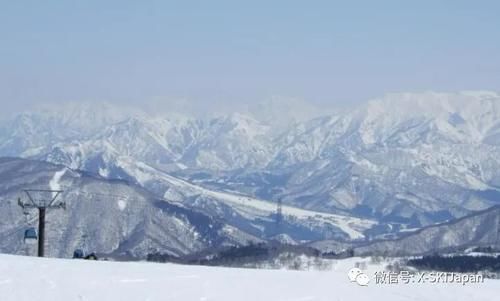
30,279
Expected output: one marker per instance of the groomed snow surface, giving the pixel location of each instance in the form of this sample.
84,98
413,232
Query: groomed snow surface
35,279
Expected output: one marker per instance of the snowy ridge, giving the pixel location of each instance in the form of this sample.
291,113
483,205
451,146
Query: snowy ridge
179,190
108,217
349,225
478,229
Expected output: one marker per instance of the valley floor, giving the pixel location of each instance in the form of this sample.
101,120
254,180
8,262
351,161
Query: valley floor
29,279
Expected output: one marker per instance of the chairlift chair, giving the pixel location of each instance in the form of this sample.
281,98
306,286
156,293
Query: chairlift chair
30,235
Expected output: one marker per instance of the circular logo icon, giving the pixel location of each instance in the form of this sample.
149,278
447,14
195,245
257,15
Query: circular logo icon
353,273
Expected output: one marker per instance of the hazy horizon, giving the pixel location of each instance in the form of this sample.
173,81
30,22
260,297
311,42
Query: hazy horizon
223,54
277,107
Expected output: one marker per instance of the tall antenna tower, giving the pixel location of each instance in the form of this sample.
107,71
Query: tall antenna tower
279,212
42,204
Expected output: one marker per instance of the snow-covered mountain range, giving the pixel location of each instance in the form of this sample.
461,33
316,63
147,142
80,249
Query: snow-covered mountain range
406,160
106,216
118,218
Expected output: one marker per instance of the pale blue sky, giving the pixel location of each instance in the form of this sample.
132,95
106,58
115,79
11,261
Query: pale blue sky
241,51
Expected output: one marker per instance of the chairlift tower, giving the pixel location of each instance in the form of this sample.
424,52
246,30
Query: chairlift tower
279,213
42,204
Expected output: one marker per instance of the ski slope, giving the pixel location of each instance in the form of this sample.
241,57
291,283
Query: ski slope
247,205
30,279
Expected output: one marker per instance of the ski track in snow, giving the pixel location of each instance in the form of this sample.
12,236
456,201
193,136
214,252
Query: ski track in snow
42,279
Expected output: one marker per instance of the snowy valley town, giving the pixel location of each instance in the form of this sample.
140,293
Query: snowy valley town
260,151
